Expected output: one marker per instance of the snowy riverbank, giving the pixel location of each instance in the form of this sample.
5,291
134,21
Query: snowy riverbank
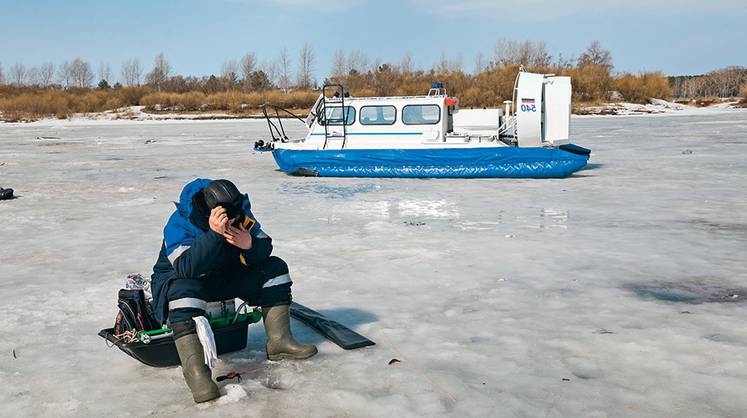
138,113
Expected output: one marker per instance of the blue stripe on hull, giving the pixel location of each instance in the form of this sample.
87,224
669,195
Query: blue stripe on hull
507,162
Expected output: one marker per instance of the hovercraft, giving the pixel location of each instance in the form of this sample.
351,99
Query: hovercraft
430,136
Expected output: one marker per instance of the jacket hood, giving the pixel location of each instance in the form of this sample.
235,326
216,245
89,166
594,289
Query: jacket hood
184,205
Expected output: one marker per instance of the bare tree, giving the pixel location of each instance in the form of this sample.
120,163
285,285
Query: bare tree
339,64
64,76
506,53
595,55
32,77
46,74
563,62
131,72
80,73
479,63
725,82
357,61
105,72
284,64
442,65
270,68
306,67
731,80
447,65
17,74
160,72
230,72
2,75
405,63
529,53
248,65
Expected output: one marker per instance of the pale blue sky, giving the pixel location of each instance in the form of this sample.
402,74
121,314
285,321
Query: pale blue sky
676,36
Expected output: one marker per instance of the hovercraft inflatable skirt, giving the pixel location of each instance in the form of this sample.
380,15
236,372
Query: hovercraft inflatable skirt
508,162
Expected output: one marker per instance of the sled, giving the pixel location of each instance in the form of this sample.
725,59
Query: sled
157,349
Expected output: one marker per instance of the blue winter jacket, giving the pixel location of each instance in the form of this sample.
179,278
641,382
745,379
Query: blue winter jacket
191,250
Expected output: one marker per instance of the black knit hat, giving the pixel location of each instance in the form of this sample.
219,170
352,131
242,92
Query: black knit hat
223,193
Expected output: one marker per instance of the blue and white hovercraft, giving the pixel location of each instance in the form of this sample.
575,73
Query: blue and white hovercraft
429,136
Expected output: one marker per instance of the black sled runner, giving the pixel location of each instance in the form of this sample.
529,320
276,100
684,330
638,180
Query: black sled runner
332,330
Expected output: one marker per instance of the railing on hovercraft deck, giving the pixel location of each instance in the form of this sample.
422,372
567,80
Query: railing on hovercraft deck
277,130
319,112
325,118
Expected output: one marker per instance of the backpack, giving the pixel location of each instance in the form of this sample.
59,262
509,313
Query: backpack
135,313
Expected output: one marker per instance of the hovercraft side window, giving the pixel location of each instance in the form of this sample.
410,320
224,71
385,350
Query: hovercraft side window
378,115
421,114
333,116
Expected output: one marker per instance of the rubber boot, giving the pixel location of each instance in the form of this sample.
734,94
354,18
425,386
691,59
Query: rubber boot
196,372
280,342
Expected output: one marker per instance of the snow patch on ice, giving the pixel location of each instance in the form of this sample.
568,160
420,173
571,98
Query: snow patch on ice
332,191
234,393
583,368
135,202
427,208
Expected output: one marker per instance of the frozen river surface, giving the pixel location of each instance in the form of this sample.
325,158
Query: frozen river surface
620,291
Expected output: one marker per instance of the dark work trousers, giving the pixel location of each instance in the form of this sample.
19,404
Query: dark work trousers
266,283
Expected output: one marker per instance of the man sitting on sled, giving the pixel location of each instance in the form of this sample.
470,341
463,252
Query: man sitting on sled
213,249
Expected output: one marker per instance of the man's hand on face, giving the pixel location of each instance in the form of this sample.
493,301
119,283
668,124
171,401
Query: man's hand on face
238,237
218,220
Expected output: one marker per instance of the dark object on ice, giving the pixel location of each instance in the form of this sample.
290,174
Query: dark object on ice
134,312
692,292
263,146
602,331
162,352
575,149
237,375
687,152
6,194
332,330
305,172
394,360
229,375
14,353
565,379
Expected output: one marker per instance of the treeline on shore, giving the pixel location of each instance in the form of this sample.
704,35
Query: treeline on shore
726,82
245,84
